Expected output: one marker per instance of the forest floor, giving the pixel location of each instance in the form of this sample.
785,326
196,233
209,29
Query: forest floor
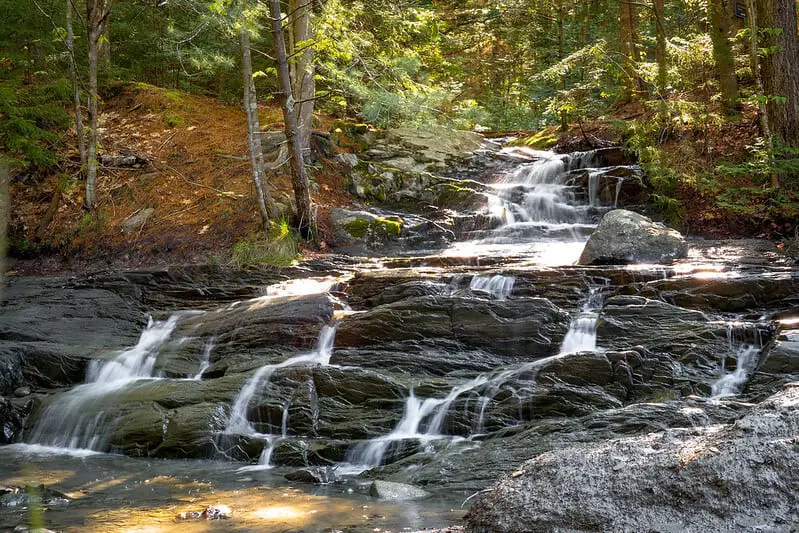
196,190
193,200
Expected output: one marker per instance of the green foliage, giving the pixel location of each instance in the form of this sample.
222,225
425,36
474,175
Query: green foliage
280,248
32,120
641,141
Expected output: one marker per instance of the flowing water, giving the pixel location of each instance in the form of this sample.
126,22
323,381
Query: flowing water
238,422
78,419
381,392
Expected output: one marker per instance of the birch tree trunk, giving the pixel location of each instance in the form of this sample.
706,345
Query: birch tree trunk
96,17
720,33
73,73
304,83
299,175
265,203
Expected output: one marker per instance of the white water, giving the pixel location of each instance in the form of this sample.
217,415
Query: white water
424,419
205,360
77,420
500,287
581,336
238,422
746,357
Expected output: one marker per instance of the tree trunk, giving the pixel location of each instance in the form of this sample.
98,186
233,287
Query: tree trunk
302,196
762,114
720,34
5,205
660,52
304,83
265,204
105,46
627,50
778,67
73,73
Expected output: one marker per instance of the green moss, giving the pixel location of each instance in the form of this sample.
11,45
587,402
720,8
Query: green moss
541,140
390,226
358,228
173,120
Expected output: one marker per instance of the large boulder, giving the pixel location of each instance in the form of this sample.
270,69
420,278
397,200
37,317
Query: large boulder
627,237
741,476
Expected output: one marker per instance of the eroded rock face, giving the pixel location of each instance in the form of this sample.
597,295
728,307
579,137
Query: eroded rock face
626,237
729,478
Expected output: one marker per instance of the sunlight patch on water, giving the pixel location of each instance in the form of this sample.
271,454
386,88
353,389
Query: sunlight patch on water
553,253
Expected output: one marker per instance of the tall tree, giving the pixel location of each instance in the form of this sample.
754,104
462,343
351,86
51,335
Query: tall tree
299,174
303,80
265,204
660,51
720,29
627,49
73,73
778,66
97,13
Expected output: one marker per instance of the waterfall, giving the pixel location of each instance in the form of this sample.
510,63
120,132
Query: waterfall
746,357
239,424
205,360
500,287
581,336
77,419
424,419
421,419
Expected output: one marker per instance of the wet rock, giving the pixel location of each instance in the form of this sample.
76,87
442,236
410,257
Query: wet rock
472,466
22,392
25,496
12,419
321,475
213,512
50,328
626,237
388,490
527,328
247,335
644,483
612,186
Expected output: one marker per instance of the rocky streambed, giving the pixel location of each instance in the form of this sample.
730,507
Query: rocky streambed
552,396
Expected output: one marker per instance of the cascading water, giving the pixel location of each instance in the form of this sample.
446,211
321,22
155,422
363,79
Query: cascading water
746,357
424,419
77,419
500,287
239,424
542,213
581,336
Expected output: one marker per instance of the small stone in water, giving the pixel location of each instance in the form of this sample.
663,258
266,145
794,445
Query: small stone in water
214,512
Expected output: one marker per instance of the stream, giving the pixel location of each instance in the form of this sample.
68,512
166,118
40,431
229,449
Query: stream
170,390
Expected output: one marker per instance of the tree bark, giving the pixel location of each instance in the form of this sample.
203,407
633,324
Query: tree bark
627,49
299,175
660,51
265,204
778,67
96,16
5,205
304,83
73,73
720,34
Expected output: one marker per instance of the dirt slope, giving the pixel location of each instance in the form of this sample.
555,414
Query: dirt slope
197,188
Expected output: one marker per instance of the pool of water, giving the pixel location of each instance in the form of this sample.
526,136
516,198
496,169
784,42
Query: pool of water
116,493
